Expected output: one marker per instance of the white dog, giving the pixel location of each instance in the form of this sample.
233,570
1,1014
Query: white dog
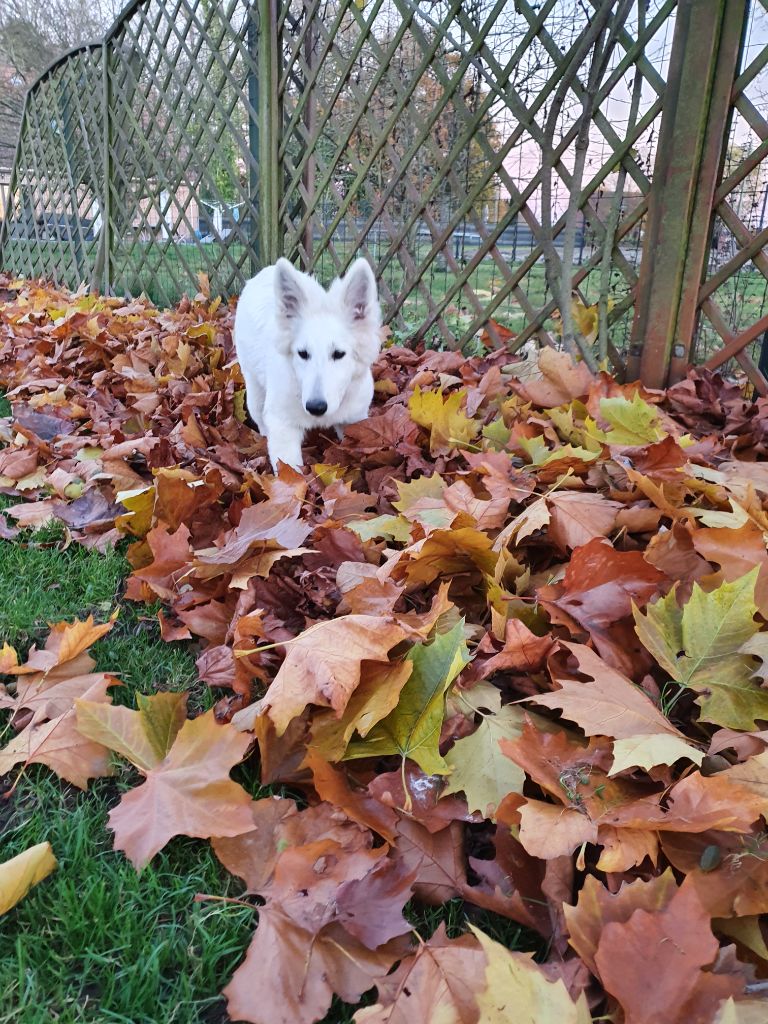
306,353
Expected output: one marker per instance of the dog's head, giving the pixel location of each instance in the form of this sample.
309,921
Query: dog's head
329,336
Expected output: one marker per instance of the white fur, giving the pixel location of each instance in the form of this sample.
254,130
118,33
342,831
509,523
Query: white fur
283,312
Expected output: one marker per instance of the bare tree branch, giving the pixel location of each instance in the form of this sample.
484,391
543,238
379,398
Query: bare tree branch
32,35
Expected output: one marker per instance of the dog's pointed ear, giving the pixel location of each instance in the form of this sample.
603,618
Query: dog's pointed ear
289,289
359,292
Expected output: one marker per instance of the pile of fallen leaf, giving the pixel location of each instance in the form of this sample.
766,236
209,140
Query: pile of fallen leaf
505,642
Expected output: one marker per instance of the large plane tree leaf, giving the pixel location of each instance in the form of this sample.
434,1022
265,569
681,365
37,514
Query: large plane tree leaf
413,728
699,645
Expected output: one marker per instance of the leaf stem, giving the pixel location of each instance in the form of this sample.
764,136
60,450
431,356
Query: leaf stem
203,897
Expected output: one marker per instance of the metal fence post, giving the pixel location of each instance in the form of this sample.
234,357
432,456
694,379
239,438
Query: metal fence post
692,140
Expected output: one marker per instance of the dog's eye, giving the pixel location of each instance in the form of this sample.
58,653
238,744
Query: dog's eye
338,355
303,354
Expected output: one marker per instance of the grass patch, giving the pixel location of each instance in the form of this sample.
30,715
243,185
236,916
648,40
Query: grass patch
98,943
40,582
136,653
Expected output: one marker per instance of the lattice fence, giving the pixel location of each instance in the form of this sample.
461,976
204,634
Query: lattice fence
54,212
420,141
490,157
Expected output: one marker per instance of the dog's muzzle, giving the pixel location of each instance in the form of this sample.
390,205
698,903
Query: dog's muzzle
316,408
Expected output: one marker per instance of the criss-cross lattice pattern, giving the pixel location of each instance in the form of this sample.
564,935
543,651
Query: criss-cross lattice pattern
414,134
460,146
55,206
182,147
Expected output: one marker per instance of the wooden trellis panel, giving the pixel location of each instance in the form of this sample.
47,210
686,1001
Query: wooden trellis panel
693,180
55,207
181,147
402,119
443,140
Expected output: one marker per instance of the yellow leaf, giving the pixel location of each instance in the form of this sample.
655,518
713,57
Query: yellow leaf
587,435
412,729
205,330
540,455
143,737
699,645
390,527
19,874
140,504
585,319
535,448
238,403
478,767
74,489
632,423
518,990
498,433
745,930
327,473
9,659
181,360
652,749
448,426
732,520
422,487
89,452
446,552
376,696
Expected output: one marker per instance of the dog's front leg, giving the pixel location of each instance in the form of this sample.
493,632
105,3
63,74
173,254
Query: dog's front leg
284,445
254,402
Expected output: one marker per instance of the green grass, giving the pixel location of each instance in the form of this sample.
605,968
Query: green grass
40,583
161,270
96,942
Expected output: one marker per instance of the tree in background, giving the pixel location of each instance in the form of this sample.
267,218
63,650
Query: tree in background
32,35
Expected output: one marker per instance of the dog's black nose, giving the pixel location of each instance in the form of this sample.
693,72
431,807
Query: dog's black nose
317,407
